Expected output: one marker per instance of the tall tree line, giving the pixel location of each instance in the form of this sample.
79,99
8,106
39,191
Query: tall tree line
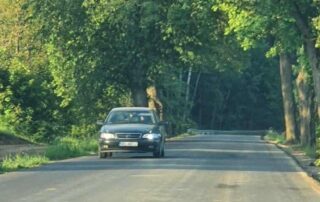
291,29
214,64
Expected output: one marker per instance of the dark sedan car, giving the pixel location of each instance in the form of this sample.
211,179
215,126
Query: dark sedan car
132,129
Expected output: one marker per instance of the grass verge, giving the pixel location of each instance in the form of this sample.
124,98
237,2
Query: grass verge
275,137
19,161
63,148
71,147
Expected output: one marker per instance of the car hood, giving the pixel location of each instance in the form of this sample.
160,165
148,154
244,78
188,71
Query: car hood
131,128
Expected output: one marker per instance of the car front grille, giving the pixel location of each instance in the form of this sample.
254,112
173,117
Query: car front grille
128,135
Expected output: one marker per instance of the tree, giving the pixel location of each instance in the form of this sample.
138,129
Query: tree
28,105
253,22
85,57
304,14
287,95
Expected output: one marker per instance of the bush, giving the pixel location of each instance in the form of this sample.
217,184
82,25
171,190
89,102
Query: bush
85,130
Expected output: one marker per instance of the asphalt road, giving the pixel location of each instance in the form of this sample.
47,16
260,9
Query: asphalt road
217,168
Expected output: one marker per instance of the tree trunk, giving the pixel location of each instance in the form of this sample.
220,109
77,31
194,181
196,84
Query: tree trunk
154,101
139,97
287,97
313,136
188,85
312,52
304,107
196,88
314,63
200,117
186,107
213,118
181,83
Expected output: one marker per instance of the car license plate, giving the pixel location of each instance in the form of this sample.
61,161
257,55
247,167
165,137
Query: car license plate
128,144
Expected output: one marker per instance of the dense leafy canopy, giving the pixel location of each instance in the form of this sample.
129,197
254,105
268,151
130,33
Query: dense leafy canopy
65,64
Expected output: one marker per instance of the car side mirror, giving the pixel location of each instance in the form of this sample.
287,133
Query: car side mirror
100,123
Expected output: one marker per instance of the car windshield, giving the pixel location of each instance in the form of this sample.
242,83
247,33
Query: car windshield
124,117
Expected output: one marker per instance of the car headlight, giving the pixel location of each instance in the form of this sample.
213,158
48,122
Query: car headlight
152,136
107,136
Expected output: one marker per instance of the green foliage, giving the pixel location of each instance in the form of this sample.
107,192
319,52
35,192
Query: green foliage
28,107
71,147
256,21
303,64
309,151
78,59
316,20
11,163
239,95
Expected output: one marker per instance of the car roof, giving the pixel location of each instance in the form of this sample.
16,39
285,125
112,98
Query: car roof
132,109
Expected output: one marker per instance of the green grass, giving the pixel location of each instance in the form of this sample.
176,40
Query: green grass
275,137
71,147
310,151
11,163
63,148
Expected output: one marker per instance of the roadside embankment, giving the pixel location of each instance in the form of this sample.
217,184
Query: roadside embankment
10,150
